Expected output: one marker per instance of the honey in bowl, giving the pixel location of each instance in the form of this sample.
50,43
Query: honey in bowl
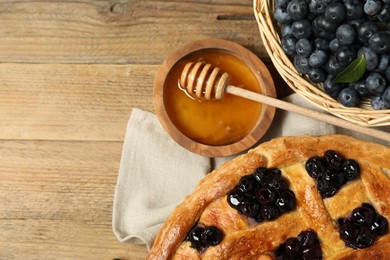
213,122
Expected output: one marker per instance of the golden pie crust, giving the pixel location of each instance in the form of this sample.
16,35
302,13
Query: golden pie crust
246,239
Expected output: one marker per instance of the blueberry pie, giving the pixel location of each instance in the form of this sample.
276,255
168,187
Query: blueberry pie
324,197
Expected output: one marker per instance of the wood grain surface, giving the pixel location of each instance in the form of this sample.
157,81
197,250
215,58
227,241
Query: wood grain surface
70,74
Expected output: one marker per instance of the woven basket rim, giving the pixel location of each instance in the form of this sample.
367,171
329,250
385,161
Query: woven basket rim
313,93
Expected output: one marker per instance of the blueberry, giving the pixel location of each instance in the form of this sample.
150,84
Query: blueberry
317,75
305,246
288,44
384,14
274,171
195,237
313,252
334,45
292,247
317,6
380,225
355,22
351,169
364,239
325,189
303,47
348,230
349,97
363,216
380,42
249,207
311,16
334,178
297,248
282,16
297,9
307,238
278,182
366,30
372,7
372,58
266,195
286,30
315,166
318,58
368,205
235,197
282,3
386,97
302,29
212,236
345,55
323,28
346,34
332,88
269,212
388,73
360,87
259,218
354,9
335,12
262,176
333,159
342,221
286,201
332,66
302,64
321,44
248,185
376,83
280,252
384,62
377,103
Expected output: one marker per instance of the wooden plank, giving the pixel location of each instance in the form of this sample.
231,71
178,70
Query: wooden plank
63,239
118,32
58,180
72,102
56,200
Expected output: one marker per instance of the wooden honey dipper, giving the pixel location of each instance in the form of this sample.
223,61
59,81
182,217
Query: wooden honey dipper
203,81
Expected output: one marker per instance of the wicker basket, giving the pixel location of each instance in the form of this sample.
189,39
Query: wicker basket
363,115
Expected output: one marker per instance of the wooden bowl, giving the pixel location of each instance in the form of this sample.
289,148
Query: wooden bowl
214,47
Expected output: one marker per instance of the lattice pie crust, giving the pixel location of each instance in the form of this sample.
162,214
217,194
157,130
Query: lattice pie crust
246,239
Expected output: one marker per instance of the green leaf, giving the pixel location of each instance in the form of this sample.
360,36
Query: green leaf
353,72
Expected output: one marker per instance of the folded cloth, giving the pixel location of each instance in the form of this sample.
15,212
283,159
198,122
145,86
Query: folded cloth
156,173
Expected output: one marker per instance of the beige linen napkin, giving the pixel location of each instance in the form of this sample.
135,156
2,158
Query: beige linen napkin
156,173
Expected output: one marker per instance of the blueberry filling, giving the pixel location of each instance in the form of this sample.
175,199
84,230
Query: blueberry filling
305,246
263,195
331,172
362,227
201,236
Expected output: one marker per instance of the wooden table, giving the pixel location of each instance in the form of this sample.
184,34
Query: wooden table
70,74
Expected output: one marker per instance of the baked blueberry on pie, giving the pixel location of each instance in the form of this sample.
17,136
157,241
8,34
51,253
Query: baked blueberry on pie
304,197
